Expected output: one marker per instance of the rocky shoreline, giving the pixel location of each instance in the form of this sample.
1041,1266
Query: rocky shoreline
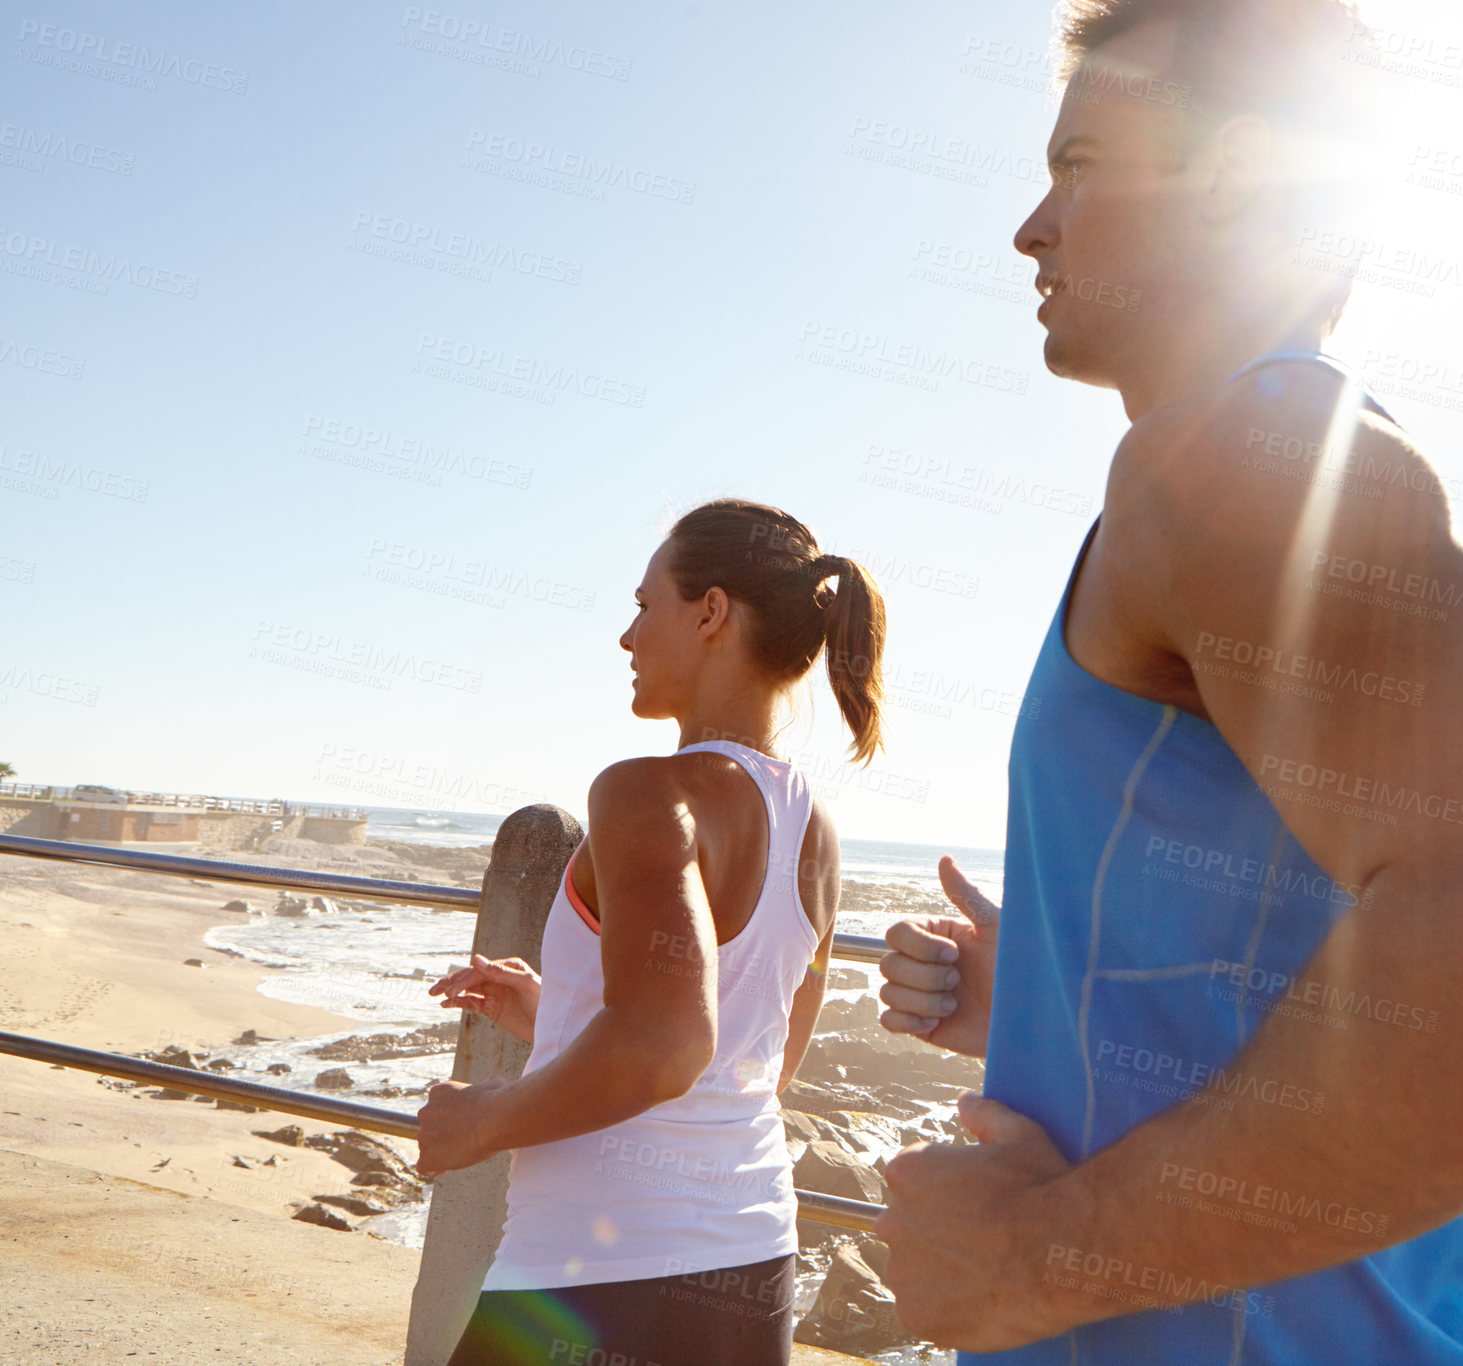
861,1095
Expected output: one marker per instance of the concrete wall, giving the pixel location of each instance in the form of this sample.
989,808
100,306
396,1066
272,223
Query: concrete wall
161,827
333,830
240,829
213,829
36,820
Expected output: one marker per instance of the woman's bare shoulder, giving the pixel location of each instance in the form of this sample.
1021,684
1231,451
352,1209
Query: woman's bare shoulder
820,869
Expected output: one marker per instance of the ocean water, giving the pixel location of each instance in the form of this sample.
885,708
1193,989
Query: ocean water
371,965
444,829
863,860
374,964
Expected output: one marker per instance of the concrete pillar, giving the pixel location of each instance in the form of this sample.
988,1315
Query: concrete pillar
465,1221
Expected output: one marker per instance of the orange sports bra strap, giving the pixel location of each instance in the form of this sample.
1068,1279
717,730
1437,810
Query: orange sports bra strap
575,900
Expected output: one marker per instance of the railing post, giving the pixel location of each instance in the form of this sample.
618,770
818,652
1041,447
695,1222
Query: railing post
465,1221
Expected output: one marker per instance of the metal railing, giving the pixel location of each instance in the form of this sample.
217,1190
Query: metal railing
249,874
857,948
325,1108
828,1209
824,1209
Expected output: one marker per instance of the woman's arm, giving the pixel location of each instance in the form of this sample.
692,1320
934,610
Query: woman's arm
819,885
806,1005
656,1033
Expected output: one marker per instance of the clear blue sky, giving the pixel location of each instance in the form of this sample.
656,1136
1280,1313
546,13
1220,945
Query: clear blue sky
671,218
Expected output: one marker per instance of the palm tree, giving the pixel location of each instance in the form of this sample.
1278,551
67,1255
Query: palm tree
6,772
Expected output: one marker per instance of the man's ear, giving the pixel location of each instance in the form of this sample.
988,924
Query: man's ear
1243,152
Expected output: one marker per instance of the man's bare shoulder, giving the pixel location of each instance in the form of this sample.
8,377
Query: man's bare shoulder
1245,448
1227,477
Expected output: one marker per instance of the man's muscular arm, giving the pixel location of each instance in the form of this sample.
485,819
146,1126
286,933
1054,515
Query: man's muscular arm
1223,563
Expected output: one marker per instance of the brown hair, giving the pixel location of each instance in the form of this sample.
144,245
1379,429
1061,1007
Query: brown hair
769,561
1283,59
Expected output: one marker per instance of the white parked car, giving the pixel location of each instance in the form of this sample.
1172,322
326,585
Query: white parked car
91,792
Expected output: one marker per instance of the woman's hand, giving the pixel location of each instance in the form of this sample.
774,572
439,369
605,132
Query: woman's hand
453,1121
505,990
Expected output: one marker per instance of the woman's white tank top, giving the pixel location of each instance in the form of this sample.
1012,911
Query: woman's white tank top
700,1182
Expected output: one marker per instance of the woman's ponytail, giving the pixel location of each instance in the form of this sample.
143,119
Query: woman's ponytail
855,648
768,560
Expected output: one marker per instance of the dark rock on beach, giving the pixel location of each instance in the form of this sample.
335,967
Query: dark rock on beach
366,1155
173,1057
354,1204
828,1167
420,1043
854,1311
318,1214
385,1179
292,1136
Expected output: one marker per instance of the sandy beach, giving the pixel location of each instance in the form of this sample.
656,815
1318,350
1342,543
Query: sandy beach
98,957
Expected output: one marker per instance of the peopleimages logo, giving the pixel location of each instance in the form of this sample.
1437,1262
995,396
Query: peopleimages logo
1324,996
41,359
460,248
92,54
1287,671
57,147
1225,868
1367,796
43,683
357,661
909,362
936,153
500,370
1221,1085
47,475
480,40
534,158
1261,1198
1152,1287
31,254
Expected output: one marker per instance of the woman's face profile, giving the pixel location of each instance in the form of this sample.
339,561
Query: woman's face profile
657,638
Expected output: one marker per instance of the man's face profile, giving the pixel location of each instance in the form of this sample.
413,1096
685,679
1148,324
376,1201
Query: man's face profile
1114,237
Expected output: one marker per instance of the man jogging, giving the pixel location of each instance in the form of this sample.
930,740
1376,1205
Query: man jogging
1222,1017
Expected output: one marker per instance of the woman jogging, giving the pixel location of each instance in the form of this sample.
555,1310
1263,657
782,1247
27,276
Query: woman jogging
651,1214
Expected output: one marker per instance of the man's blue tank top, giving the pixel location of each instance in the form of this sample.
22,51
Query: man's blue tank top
1156,912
